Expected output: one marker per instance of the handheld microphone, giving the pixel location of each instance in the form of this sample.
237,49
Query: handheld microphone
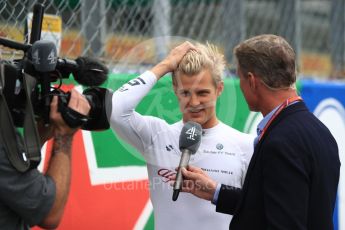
189,143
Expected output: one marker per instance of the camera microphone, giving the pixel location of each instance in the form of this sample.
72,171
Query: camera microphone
44,56
86,71
44,59
189,143
90,72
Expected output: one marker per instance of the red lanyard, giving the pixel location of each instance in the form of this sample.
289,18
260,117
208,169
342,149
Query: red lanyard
281,107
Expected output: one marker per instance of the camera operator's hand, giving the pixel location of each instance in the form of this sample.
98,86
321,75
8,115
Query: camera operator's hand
57,125
77,102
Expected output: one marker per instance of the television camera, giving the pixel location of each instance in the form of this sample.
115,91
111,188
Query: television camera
27,88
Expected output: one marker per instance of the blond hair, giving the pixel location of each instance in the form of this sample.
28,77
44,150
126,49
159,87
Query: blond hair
205,57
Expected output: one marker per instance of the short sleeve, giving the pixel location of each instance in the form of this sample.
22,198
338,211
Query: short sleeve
30,195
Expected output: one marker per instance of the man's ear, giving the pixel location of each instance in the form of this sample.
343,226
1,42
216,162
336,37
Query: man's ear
174,88
220,88
252,81
174,81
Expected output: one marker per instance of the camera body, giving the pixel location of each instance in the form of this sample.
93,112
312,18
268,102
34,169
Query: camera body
28,85
41,63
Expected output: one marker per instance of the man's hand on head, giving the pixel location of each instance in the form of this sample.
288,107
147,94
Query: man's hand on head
170,63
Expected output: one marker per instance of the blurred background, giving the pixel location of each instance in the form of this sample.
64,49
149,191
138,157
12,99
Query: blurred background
113,29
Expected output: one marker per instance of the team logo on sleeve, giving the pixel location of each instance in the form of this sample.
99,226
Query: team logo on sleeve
169,147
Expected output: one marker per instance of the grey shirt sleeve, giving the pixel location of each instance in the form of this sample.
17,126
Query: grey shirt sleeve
29,195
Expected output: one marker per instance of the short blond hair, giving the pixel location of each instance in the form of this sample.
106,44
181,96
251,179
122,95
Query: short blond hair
206,57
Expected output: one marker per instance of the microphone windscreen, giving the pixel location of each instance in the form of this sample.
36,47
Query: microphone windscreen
90,72
190,136
44,56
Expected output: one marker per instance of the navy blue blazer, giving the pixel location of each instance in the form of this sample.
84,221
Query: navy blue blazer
292,178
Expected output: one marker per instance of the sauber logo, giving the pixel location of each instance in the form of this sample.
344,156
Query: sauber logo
166,173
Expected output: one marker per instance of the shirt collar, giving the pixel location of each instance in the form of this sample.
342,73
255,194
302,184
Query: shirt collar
265,120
